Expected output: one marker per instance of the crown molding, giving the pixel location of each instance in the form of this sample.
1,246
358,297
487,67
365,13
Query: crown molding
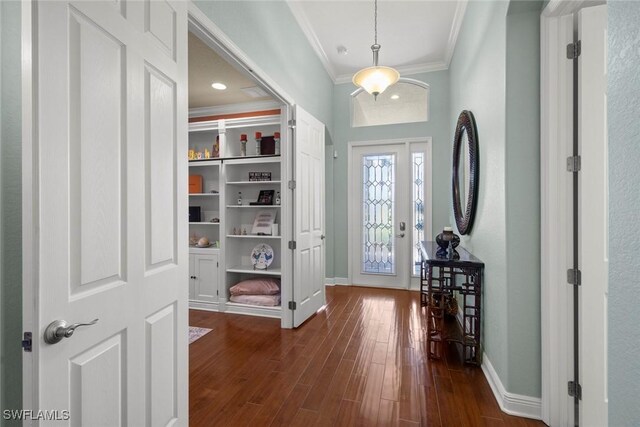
456,25
307,29
245,107
405,70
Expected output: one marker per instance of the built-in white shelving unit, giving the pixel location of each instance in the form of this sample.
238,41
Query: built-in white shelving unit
229,176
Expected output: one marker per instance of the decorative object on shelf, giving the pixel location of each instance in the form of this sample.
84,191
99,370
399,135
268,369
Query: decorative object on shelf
192,154
375,79
244,231
274,230
195,214
276,139
204,242
215,152
193,240
259,176
199,155
262,256
466,168
264,222
446,239
235,232
278,198
215,220
264,198
258,141
195,184
240,198
243,144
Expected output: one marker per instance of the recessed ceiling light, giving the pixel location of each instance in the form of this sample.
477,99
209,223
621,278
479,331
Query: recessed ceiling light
219,86
394,97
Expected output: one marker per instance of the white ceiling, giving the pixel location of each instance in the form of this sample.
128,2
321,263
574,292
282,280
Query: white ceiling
415,36
207,67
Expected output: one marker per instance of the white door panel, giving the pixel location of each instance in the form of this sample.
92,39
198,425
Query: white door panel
309,259
110,117
593,222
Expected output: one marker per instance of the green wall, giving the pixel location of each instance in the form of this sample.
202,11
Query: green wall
10,207
624,211
437,128
495,74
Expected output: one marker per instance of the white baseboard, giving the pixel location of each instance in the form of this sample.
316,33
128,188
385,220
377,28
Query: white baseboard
340,281
510,403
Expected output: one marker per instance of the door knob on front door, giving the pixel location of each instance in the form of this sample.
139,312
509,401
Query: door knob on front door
402,226
59,329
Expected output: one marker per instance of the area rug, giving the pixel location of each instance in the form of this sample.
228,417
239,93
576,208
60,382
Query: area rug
196,333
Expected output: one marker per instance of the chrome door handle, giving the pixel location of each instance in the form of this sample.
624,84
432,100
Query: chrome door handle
59,329
322,236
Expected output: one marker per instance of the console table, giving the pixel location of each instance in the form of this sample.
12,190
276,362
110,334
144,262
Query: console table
442,278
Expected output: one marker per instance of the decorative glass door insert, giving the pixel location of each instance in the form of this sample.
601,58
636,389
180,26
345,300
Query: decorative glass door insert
378,206
417,199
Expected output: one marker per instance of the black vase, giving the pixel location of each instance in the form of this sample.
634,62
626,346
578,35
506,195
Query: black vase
443,240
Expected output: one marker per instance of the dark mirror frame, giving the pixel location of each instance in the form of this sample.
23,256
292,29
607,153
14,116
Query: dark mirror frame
466,123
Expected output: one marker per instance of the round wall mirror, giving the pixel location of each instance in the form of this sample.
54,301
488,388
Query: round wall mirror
466,169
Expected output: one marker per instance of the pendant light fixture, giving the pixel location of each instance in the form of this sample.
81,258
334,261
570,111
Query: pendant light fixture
377,78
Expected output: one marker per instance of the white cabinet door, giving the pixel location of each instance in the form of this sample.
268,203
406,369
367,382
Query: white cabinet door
104,213
206,273
309,258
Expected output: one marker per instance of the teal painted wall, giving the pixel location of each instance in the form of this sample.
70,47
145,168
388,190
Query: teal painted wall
522,186
477,81
437,127
10,208
624,211
495,74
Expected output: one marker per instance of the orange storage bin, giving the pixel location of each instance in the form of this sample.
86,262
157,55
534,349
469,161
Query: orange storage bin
195,184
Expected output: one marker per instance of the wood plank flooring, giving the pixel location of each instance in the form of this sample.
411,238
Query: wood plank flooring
359,362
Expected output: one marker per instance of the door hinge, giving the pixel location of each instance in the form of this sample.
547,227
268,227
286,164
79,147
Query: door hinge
292,123
292,244
292,185
27,342
574,164
217,264
574,50
574,389
574,276
292,305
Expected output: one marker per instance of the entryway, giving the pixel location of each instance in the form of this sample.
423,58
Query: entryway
389,211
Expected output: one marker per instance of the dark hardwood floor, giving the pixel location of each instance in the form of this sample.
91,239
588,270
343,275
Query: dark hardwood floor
361,361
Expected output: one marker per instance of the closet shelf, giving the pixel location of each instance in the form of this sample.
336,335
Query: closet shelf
251,236
253,206
204,223
253,182
248,269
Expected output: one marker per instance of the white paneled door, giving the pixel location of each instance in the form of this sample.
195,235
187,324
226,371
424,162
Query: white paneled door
593,221
105,215
309,258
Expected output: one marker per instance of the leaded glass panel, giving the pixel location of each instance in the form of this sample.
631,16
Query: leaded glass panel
417,189
378,204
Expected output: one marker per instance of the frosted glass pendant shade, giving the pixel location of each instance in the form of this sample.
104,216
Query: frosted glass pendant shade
376,79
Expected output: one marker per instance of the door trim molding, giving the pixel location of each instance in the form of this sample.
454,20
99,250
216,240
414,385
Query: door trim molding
428,189
215,38
556,132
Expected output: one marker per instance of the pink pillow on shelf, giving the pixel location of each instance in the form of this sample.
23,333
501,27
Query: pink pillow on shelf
256,287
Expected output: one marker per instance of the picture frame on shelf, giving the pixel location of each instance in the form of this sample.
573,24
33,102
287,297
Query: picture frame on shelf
263,224
264,198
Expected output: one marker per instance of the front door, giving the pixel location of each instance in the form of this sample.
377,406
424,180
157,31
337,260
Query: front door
389,212
104,212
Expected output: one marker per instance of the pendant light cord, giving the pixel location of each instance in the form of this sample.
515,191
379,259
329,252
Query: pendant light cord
375,22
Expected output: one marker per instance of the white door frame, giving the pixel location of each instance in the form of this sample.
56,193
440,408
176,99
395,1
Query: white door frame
428,192
556,126
212,35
